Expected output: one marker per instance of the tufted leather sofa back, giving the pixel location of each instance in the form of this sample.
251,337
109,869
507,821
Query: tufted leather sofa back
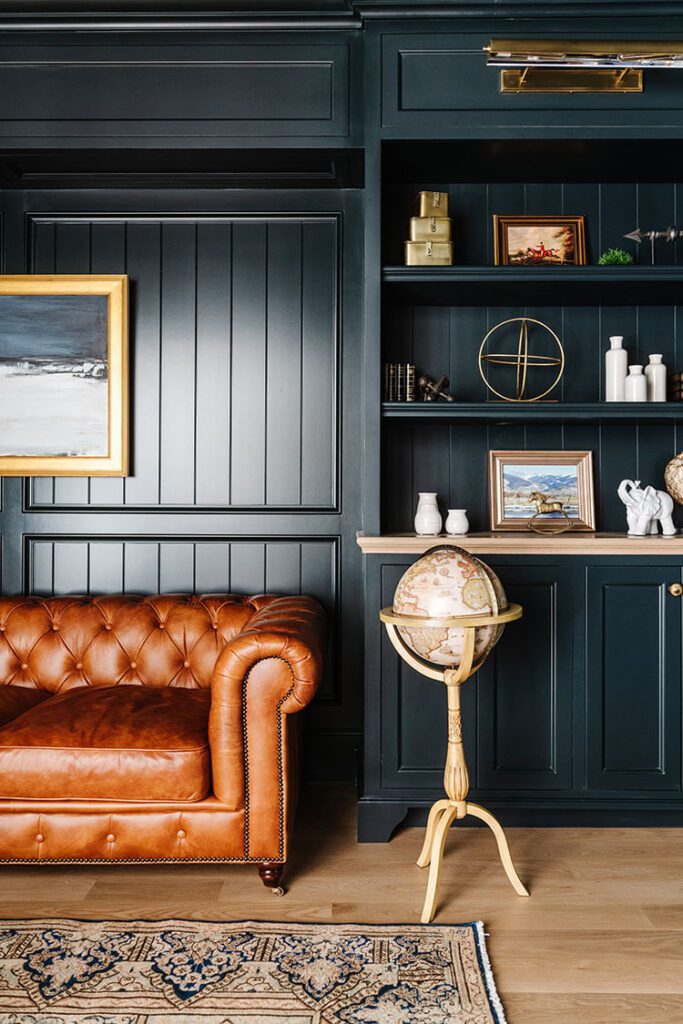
58,643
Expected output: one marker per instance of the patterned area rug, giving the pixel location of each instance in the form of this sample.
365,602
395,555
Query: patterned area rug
163,972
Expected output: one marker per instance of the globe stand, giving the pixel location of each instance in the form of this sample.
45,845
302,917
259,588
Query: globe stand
456,779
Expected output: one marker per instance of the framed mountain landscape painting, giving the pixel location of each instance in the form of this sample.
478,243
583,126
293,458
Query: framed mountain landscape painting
63,375
548,486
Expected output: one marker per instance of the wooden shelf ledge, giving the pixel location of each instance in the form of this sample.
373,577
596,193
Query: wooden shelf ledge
525,544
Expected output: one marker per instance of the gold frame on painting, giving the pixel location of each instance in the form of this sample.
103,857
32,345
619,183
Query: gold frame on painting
502,222
582,460
115,287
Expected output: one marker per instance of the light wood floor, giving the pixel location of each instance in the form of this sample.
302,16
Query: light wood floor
600,941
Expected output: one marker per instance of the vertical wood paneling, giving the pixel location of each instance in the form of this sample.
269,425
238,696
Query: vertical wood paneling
178,355
224,566
213,346
284,363
249,347
319,369
235,342
144,268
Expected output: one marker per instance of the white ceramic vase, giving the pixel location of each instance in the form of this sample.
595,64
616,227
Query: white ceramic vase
636,385
655,374
427,515
616,369
457,523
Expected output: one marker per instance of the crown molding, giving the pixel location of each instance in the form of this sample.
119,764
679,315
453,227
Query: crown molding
299,15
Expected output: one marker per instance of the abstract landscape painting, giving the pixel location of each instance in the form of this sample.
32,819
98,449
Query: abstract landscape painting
63,375
53,375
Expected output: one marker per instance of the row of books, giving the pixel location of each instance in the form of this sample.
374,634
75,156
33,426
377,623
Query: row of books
399,382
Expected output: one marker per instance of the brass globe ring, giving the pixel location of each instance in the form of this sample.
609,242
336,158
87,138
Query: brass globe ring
522,361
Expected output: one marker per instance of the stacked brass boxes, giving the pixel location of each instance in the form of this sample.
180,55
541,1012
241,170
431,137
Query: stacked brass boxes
430,232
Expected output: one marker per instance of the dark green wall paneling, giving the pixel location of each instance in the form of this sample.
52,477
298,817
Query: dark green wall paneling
237,338
244,475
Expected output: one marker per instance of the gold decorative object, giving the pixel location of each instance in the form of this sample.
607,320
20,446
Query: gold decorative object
522,360
430,229
456,779
432,204
571,80
579,65
673,478
430,232
425,254
546,506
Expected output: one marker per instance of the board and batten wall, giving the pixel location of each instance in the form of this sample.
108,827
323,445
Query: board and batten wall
244,383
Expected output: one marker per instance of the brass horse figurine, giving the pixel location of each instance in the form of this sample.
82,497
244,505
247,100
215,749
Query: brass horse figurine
544,506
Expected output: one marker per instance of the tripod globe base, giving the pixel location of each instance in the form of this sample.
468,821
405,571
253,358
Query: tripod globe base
441,817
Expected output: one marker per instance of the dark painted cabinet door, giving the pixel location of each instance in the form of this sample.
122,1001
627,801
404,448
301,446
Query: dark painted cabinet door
633,678
516,711
525,688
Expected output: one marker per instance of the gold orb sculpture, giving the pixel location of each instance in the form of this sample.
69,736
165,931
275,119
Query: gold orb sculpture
522,360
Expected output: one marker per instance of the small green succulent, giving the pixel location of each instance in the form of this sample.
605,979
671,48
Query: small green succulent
615,258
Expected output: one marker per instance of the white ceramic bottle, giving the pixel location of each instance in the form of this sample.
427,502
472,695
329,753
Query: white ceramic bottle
636,385
457,523
655,374
427,515
616,368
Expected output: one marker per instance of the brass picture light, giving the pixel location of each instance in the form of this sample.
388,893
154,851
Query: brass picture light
579,65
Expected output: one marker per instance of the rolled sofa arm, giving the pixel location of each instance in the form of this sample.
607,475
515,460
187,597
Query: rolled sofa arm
272,668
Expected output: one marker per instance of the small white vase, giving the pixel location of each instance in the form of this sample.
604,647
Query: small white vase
655,374
457,523
616,367
427,515
636,385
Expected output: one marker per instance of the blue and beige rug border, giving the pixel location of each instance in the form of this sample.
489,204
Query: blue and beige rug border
476,928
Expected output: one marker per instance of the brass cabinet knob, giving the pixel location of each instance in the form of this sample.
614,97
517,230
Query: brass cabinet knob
676,589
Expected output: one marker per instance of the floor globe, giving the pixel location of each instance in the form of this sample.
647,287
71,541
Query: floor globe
449,581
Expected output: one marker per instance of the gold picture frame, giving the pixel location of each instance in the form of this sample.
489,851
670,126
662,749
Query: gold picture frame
564,477
524,240
58,352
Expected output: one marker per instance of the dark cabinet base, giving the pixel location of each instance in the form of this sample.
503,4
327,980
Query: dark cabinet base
378,820
575,719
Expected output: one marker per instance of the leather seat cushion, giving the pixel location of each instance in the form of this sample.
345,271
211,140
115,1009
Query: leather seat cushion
130,743
14,700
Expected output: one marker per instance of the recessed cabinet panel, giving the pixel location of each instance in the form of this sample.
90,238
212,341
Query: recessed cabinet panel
241,90
633,670
525,687
431,81
414,721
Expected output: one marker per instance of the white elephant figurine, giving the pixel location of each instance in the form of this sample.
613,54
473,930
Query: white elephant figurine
644,506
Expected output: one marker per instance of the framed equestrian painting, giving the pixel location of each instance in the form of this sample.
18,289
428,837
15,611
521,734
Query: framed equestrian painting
538,241
63,375
549,492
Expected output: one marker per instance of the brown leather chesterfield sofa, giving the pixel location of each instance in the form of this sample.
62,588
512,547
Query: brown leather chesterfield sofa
153,728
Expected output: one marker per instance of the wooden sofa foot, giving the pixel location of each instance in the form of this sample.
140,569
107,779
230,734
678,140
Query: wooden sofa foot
271,876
